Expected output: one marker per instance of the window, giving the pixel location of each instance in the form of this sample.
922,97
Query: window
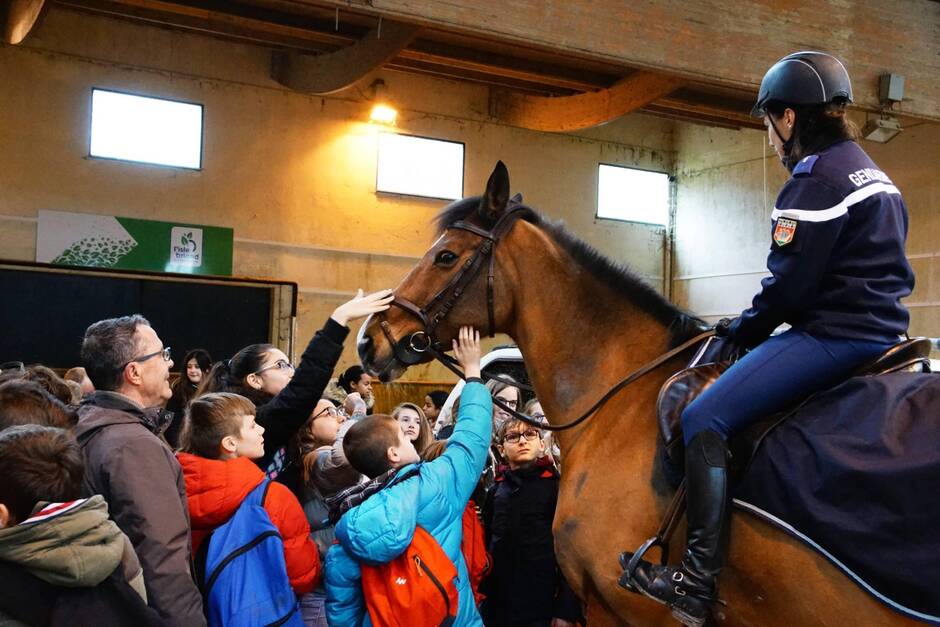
148,130
632,195
418,166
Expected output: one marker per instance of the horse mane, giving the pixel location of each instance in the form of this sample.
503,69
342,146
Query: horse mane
681,324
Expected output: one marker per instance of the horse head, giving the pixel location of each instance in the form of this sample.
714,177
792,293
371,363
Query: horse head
454,284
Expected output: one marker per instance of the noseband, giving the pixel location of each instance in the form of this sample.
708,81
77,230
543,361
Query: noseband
411,349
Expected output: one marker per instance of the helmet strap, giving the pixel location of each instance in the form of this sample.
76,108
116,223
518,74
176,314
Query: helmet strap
787,145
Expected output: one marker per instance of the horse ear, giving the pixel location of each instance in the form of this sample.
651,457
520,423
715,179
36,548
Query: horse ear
496,196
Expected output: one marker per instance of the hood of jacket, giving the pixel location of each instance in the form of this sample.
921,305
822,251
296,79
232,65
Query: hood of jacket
67,544
101,409
215,488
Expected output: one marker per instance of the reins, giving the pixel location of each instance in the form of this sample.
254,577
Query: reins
451,364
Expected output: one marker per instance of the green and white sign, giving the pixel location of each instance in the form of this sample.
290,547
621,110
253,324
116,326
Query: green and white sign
81,239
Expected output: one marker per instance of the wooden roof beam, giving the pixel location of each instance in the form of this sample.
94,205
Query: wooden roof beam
571,113
335,71
710,41
169,13
17,18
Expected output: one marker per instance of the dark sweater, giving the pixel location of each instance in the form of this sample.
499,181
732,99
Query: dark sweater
526,586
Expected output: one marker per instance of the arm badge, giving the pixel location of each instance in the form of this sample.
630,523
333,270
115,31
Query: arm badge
784,231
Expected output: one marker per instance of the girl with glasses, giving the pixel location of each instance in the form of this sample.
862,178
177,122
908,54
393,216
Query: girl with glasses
284,396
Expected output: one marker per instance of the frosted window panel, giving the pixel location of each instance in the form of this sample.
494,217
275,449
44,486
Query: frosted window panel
417,166
148,130
632,195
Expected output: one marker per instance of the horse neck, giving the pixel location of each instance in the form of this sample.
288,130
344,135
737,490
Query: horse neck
578,336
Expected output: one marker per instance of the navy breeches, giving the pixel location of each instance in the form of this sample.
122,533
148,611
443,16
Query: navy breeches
782,370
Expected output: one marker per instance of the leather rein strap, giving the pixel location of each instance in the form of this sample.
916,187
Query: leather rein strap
451,364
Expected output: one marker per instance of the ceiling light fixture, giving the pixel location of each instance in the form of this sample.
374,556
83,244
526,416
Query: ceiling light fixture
382,110
886,127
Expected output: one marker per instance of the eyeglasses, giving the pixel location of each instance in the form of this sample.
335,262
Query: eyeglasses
540,417
507,403
326,411
165,352
280,364
528,434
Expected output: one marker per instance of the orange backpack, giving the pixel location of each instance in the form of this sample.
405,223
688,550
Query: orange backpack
474,551
417,589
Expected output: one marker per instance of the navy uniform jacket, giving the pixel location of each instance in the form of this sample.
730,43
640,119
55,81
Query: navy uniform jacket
837,256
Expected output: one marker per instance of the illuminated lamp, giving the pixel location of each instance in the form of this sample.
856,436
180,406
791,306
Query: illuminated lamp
382,110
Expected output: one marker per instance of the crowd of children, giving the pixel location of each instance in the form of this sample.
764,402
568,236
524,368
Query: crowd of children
270,502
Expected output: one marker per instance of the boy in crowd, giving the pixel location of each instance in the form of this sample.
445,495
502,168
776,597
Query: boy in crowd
379,518
526,587
62,560
222,440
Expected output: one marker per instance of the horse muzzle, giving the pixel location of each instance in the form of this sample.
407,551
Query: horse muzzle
411,349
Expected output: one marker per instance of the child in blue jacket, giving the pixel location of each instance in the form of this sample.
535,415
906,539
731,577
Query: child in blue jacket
378,522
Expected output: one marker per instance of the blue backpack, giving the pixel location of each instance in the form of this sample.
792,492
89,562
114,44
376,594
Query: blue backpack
246,582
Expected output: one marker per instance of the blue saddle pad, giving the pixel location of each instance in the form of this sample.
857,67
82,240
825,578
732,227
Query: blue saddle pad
855,473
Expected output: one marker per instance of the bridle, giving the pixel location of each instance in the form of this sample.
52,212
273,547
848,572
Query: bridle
411,349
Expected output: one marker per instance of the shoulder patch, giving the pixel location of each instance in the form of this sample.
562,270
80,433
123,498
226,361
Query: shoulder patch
805,166
784,231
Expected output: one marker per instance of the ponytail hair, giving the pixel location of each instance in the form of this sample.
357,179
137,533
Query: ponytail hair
350,377
229,375
816,127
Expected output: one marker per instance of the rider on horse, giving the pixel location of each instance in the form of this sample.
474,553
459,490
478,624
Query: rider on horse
838,272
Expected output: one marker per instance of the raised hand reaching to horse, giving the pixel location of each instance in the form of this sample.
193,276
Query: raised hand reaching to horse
362,305
467,351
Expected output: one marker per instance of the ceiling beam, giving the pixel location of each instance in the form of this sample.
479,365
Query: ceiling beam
335,71
690,107
17,18
169,13
571,113
712,41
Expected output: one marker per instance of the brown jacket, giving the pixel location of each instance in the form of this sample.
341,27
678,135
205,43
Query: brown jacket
136,472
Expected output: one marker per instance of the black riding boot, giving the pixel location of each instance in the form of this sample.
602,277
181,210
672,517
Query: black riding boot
691,588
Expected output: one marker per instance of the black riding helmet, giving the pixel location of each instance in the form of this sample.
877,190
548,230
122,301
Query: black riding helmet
804,78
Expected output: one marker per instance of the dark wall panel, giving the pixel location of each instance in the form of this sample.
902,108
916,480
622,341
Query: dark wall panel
43,315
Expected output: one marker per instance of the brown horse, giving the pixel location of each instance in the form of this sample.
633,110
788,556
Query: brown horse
582,323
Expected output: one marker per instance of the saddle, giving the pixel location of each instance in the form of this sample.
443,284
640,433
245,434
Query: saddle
911,355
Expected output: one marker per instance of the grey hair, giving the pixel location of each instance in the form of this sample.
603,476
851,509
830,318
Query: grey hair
108,346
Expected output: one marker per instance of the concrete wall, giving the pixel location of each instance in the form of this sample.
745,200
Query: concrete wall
294,175
727,183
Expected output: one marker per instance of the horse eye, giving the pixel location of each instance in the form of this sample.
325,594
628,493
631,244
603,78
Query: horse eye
445,258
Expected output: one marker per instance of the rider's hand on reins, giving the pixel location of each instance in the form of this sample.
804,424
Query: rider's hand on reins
467,351
362,305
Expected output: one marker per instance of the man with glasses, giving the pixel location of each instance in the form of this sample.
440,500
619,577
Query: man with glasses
130,465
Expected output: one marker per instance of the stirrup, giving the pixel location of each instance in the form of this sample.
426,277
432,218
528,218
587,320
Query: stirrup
661,540
629,565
